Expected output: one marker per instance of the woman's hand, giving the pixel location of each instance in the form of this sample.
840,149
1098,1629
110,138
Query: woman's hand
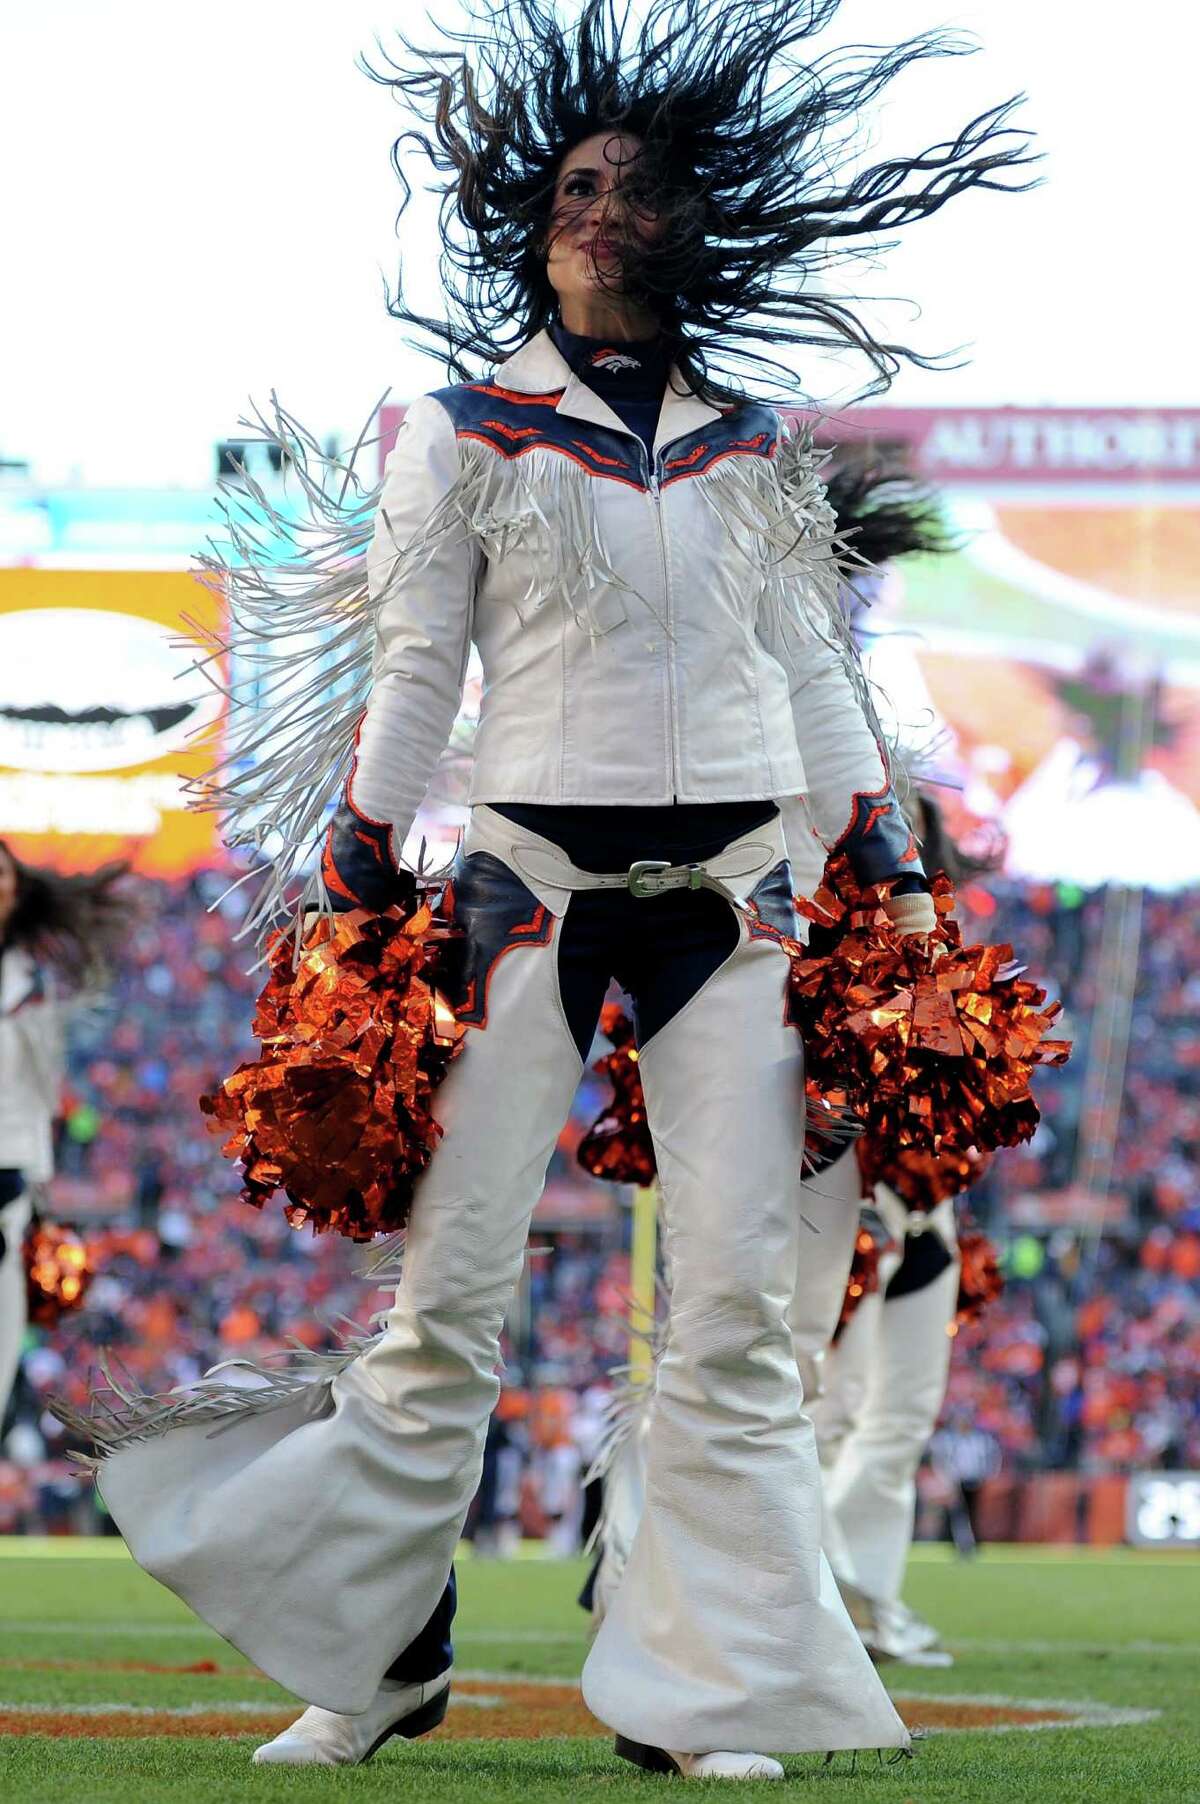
911,913
402,893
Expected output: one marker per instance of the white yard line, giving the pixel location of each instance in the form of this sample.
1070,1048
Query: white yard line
569,1637
238,1706
563,1637
474,1677
15,1627
1072,1713
148,1630
1077,1713
241,1706
977,1644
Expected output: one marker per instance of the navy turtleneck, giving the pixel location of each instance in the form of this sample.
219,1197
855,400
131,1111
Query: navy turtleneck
629,376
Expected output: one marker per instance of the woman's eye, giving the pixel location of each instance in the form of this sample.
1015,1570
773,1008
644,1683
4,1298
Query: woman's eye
576,184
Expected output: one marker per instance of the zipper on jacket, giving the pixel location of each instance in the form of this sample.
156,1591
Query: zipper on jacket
652,470
654,491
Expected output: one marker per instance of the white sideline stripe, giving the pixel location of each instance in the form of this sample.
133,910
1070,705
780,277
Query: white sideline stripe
475,1677
978,1644
570,1637
580,1635
1077,1713
111,1547
148,1631
1069,1559
933,1553
238,1706
241,1706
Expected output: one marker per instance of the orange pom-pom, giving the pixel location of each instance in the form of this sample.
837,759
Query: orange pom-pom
980,1278
59,1266
863,1280
618,1146
932,1043
336,1110
920,1179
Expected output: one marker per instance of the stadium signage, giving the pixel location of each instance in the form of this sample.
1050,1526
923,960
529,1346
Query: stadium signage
1047,444
83,689
1163,1509
103,722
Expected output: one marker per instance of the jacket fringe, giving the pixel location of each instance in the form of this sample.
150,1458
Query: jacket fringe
626,1418
250,1389
296,659
806,567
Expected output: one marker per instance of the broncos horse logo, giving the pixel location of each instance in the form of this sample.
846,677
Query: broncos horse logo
611,359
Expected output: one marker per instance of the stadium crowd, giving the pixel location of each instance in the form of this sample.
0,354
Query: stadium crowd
1090,1360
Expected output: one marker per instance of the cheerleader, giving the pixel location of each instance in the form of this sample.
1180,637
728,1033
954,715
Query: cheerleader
884,1378
55,933
645,560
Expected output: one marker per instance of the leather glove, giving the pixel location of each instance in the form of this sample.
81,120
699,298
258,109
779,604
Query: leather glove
358,867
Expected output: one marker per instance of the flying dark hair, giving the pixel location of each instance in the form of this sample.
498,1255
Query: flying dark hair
74,923
748,153
882,511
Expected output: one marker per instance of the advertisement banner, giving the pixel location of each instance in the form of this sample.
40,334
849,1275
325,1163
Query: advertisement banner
102,719
1109,446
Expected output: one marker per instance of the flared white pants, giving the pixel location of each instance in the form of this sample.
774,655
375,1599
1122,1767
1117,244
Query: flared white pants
318,1537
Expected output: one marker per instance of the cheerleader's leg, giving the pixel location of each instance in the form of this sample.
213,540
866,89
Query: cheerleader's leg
318,1537
830,1202
845,1373
728,1631
829,1205
14,1220
871,1489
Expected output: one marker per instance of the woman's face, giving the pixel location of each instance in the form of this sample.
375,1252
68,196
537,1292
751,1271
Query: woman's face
593,217
8,889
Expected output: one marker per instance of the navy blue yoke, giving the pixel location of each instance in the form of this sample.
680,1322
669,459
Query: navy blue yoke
513,423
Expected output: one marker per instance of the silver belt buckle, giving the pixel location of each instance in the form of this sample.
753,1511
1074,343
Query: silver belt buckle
642,877
642,874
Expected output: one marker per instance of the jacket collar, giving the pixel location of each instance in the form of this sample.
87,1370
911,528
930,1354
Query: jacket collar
539,366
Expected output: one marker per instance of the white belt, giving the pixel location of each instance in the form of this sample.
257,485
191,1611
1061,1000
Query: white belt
552,876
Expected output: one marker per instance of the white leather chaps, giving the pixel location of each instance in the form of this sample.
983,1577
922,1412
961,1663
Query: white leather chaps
317,1537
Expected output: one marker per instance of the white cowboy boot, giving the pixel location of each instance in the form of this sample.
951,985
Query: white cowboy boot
323,1738
698,1766
899,1633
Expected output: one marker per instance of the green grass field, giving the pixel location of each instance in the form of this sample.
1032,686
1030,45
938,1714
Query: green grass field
96,1704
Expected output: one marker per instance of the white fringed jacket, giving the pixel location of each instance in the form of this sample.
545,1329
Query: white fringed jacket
31,1056
649,632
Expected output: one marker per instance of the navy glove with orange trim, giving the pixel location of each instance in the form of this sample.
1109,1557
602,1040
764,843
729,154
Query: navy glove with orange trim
358,867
